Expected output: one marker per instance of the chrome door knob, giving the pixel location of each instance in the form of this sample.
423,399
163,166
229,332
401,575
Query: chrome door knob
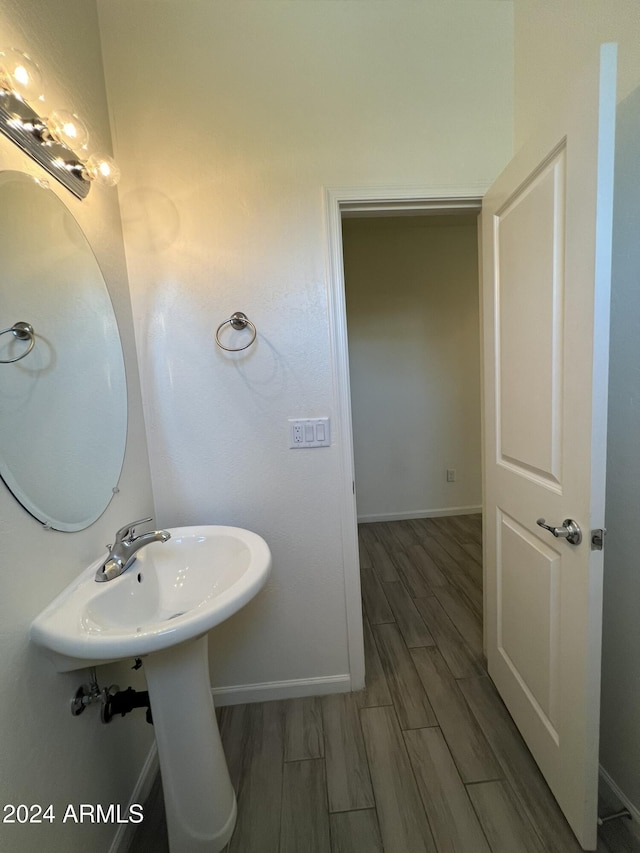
570,530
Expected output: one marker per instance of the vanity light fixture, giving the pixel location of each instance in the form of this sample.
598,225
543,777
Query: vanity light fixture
52,140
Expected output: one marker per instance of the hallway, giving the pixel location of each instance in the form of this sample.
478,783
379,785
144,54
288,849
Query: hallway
426,758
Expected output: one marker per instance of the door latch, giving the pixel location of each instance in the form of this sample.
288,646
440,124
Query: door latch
597,538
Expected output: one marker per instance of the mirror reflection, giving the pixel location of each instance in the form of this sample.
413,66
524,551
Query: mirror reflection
63,407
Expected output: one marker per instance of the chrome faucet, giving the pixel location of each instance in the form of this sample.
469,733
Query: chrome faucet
123,552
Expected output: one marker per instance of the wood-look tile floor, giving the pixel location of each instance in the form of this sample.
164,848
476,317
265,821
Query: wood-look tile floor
426,759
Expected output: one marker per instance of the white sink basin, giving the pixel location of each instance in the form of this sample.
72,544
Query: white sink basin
175,591
160,609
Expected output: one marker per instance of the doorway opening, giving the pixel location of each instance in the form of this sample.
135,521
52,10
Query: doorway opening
412,305
348,204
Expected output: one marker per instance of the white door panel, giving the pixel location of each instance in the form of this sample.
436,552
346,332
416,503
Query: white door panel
529,235
546,282
528,584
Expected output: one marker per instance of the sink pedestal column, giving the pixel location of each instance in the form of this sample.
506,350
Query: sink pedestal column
199,799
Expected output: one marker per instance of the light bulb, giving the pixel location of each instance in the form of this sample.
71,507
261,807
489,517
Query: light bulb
103,170
20,75
67,129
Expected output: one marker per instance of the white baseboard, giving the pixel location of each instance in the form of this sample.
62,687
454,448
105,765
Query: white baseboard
293,689
423,513
125,832
634,825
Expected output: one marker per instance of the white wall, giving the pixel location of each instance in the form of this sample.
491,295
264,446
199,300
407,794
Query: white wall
229,119
413,325
46,755
551,41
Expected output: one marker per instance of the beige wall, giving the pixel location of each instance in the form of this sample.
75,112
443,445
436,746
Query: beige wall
551,41
413,325
231,118
46,755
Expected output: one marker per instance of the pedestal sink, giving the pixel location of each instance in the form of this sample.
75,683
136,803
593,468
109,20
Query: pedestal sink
161,609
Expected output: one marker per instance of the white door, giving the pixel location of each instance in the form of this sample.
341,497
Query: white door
546,279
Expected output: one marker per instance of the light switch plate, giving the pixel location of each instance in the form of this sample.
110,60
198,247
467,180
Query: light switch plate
309,432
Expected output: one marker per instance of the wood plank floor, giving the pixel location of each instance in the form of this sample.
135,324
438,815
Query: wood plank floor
426,758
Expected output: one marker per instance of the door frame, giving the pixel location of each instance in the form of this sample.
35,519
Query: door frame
369,201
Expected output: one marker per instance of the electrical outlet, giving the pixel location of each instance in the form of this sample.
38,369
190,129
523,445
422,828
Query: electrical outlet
451,475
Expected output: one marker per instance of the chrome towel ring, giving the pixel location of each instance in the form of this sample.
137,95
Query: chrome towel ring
237,321
23,332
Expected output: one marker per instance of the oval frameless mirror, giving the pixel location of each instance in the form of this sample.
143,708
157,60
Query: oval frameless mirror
63,407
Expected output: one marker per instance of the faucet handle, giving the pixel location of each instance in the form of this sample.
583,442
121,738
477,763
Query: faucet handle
128,530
